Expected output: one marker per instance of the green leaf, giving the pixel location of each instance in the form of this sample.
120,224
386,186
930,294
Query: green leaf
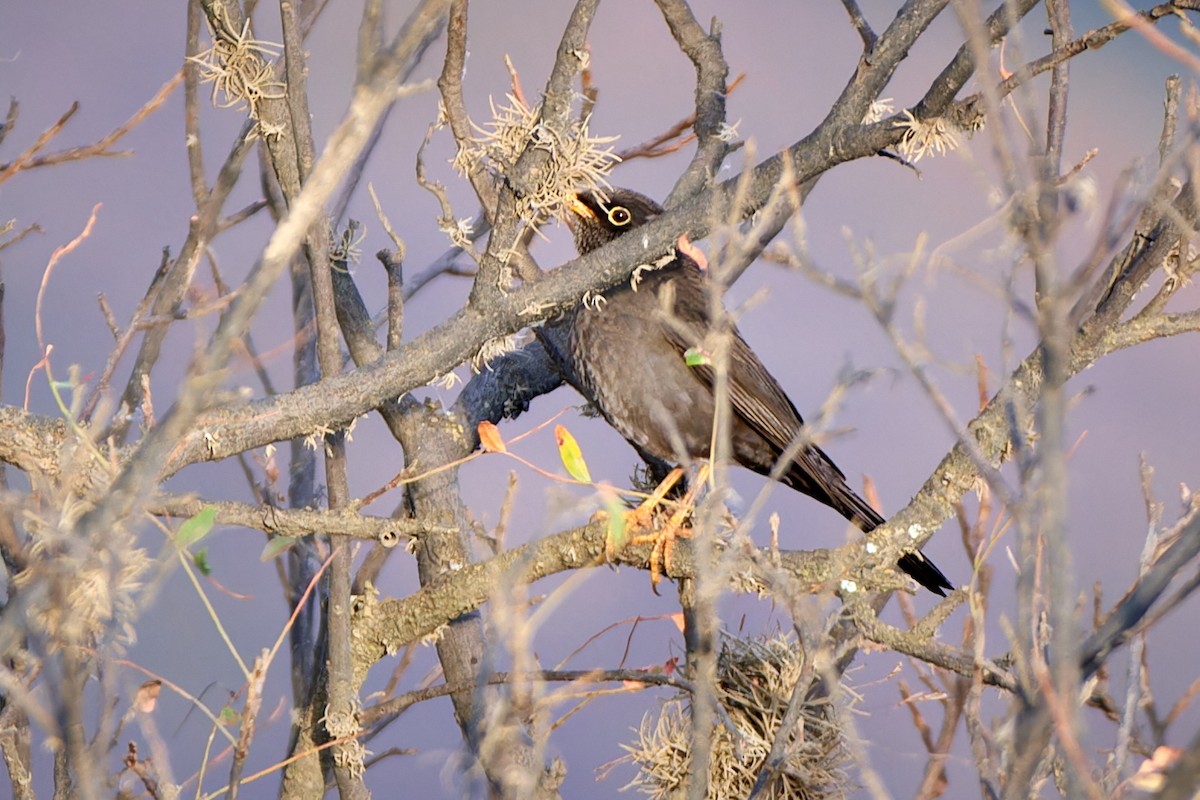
196,528
275,547
571,455
616,511
696,357
616,521
229,717
200,559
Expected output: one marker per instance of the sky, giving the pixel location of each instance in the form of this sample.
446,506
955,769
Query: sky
112,57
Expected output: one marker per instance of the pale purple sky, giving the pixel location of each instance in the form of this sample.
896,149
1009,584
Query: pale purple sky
113,56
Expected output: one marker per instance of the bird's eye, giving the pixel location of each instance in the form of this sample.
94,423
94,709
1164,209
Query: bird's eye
619,215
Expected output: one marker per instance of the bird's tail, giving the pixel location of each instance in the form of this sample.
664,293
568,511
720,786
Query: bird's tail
859,512
924,572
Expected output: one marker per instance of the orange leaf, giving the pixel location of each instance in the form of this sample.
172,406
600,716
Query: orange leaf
490,438
571,455
146,697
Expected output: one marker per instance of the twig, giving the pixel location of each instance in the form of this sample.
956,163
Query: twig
21,161
639,680
673,138
859,21
97,148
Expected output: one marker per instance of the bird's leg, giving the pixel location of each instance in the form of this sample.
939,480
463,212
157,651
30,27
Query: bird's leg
643,516
664,538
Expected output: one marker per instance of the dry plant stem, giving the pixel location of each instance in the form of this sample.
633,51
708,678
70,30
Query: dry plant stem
1045,592
703,620
28,229
934,779
712,72
447,263
450,86
920,645
305,775
249,719
16,750
171,291
398,622
71,713
400,704
394,266
860,24
30,159
939,99
1137,648
1159,195
370,37
10,119
294,522
191,104
23,160
430,438
15,731
341,686
1122,621
776,758
125,338
1092,40
555,118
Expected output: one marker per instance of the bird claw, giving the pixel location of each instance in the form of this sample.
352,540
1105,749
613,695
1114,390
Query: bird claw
663,539
641,517
664,544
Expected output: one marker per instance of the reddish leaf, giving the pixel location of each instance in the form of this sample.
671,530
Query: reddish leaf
490,438
685,246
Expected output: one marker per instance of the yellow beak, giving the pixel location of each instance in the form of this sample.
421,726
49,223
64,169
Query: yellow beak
582,210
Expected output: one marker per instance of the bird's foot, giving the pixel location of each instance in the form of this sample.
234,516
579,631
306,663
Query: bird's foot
663,538
642,517
664,542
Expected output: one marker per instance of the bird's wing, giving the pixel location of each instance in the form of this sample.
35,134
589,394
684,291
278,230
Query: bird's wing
756,397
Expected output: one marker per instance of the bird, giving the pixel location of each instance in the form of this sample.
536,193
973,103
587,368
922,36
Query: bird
632,353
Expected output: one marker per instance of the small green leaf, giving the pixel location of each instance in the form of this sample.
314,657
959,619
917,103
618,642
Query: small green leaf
616,521
196,528
571,455
696,357
200,559
275,547
229,716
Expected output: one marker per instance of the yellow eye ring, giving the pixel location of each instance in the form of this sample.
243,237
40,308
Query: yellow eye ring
619,216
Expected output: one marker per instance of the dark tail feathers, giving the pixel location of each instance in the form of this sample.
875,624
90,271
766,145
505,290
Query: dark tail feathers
858,511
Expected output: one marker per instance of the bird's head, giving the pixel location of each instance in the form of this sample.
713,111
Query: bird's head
599,220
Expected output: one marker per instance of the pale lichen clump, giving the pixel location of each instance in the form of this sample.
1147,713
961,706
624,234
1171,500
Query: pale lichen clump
499,347
237,66
578,160
79,592
922,137
755,683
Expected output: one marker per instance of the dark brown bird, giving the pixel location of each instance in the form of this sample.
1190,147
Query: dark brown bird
628,356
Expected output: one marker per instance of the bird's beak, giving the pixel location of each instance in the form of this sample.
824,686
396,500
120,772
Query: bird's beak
580,209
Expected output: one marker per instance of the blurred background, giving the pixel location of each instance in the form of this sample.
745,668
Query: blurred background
112,57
